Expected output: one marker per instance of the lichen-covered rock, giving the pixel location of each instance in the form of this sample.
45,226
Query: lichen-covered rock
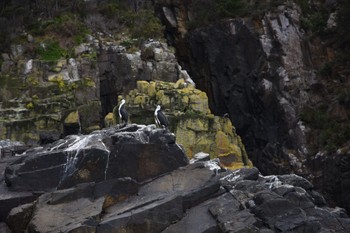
109,120
119,69
72,123
37,95
196,129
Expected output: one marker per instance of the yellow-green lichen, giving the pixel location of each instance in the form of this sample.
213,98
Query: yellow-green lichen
140,100
222,142
88,82
151,89
197,124
186,138
60,64
72,118
199,102
91,128
109,120
196,128
179,84
30,105
142,86
185,100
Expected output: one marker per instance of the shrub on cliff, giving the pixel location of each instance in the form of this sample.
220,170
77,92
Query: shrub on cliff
69,21
343,38
213,10
51,51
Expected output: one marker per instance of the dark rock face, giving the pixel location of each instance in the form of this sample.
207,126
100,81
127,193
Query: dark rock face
227,61
9,148
262,72
138,152
153,190
9,200
119,70
19,217
332,177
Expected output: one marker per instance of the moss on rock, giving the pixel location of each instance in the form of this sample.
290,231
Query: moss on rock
142,86
109,120
187,109
72,118
151,89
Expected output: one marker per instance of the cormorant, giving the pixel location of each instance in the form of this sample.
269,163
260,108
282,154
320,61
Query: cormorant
160,118
123,114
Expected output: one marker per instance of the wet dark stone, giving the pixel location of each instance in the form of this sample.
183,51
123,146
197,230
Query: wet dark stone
140,153
19,217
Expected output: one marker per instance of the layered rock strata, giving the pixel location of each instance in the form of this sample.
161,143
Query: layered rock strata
197,197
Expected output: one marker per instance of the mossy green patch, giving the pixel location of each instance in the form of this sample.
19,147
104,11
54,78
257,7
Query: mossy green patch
72,118
30,105
140,100
196,129
51,51
151,89
109,120
186,138
60,64
179,84
142,86
197,124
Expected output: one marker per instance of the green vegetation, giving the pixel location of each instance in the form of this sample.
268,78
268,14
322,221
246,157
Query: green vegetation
51,51
30,105
326,70
208,11
329,123
313,18
229,8
343,34
145,25
329,131
67,25
70,21
139,24
344,98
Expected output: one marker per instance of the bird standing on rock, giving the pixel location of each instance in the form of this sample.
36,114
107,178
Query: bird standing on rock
160,118
123,114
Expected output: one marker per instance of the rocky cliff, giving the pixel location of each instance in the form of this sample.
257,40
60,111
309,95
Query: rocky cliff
190,118
279,69
137,179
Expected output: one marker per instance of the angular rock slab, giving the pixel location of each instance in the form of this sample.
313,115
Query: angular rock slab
4,228
9,200
150,217
76,209
80,215
19,217
162,201
139,152
197,219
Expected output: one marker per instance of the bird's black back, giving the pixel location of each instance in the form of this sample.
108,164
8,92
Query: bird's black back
162,119
124,114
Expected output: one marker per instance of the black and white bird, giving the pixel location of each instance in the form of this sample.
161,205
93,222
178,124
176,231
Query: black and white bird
123,114
160,118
